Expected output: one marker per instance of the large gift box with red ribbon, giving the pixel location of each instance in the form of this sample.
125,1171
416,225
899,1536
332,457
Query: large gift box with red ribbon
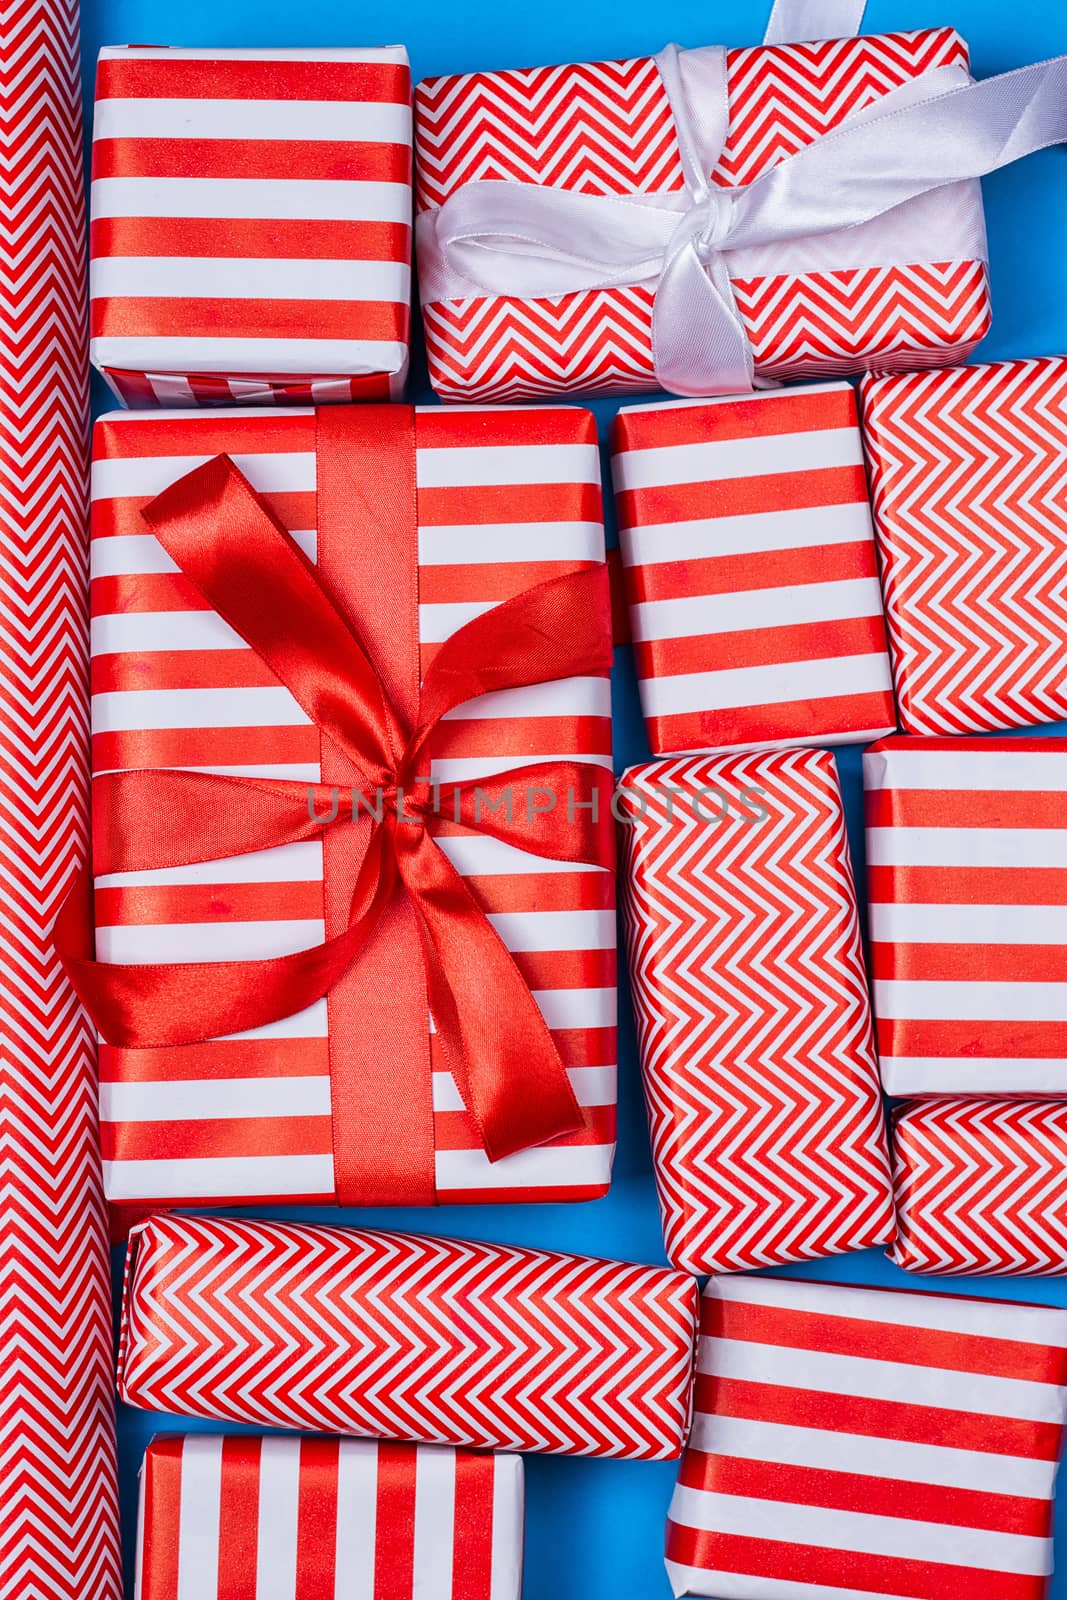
404,1337
605,249
350,684
251,224
753,1021
851,1441
225,1518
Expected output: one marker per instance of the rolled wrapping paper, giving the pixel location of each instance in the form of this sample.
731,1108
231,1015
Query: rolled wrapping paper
57,1483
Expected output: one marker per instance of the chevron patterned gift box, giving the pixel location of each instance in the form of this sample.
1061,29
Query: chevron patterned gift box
751,573
753,1020
966,851
251,227
968,471
398,1336
981,1186
816,307
851,1443
501,504
320,1519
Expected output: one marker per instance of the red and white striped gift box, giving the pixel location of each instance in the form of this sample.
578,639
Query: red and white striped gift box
809,310
251,224
753,1020
967,471
324,1519
504,501
392,1335
966,859
850,1443
751,573
981,1186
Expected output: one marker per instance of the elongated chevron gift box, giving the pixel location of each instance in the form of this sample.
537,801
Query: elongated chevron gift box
967,470
504,502
226,1518
966,849
750,571
814,307
403,1337
251,227
853,1441
753,1021
981,1187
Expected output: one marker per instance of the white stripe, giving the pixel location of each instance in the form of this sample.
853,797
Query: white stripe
946,766
542,1168
135,632
578,1008
810,528
724,460
969,924
593,1086
340,121
439,622
486,543
980,999
967,847
435,1513
357,1517
208,941
285,863
170,388
288,771
162,55
226,1178
736,1586
904,1538
555,930
198,1525
199,1099
115,477
245,278
279,1508
482,466
562,697
125,710
475,855
896,1459
263,199
468,769
989,1075
311,1023
505,1564
301,358
835,678
787,606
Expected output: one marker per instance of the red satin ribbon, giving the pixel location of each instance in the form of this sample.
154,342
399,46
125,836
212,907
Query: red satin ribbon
250,571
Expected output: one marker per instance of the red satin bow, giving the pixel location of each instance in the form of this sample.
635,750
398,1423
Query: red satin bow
250,571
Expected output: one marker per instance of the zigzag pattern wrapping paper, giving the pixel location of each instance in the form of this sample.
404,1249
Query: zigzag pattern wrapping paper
225,1518
966,851
853,1443
969,483
981,1186
407,1337
505,501
251,224
753,1021
619,138
59,1528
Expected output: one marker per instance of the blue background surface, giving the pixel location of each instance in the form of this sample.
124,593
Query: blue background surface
596,1527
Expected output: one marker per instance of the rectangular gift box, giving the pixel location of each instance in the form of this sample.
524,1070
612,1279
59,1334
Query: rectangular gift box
820,306
853,1442
753,1019
251,224
235,1518
504,501
750,571
437,1340
981,1186
966,472
966,858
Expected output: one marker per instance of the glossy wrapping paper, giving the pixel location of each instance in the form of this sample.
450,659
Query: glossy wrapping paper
807,310
504,501
59,1533
395,1335
230,1518
753,1022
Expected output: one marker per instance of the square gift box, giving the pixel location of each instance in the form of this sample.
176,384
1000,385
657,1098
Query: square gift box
251,224
396,1336
967,892
909,289
852,1441
751,572
967,474
420,523
753,1020
235,1518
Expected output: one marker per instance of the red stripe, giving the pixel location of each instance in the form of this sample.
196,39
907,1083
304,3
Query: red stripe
239,1518
248,238
521,502
527,739
316,1532
144,591
341,159
742,497
971,963
474,1531
761,569
578,1047
761,647
133,437
161,1519
549,1194
122,515
538,891
394,1534
735,419
165,76
961,886
568,969
495,581
204,1138
455,1130
221,902
224,318
180,669
220,1058
748,726
204,747
979,1040
444,427
965,808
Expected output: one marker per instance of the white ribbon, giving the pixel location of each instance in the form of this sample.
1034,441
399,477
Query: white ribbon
533,242
814,19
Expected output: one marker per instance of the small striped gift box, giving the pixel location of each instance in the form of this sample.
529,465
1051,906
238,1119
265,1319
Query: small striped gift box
251,227
324,1519
751,572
